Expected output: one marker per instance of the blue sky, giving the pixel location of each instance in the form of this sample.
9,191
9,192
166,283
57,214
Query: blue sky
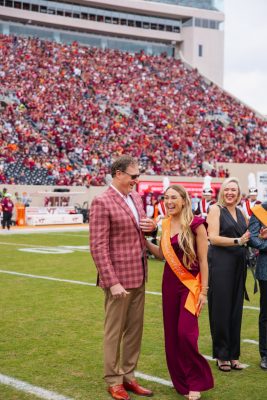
245,71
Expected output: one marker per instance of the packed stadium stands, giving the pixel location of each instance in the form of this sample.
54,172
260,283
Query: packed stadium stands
69,110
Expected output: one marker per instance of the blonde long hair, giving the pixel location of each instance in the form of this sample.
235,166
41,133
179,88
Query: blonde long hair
186,238
221,192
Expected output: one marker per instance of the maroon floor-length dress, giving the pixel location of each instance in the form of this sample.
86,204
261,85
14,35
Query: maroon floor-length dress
188,369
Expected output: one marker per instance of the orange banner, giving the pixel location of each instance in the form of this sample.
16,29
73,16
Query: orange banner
260,213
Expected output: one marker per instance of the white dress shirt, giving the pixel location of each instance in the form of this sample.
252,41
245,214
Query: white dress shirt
129,201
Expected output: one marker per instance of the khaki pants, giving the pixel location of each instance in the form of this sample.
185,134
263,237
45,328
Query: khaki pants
122,335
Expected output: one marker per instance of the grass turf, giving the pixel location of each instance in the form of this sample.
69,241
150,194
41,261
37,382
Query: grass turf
51,332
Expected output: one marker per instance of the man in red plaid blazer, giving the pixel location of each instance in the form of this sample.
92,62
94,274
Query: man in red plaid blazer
117,226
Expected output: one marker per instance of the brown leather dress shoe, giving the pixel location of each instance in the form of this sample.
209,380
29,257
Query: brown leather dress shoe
134,387
118,392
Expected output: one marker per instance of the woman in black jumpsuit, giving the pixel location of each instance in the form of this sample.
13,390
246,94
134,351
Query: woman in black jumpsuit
227,228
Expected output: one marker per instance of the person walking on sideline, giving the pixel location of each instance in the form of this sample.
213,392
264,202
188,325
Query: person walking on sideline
117,225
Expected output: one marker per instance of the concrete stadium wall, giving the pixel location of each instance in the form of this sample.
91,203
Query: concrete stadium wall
37,194
80,194
210,64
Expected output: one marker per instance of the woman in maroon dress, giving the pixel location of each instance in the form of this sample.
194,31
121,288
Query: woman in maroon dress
184,246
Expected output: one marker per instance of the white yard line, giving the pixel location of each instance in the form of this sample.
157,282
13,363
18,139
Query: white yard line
83,283
154,293
250,341
25,244
251,308
152,378
30,389
47,278
43,229
35,246
66,234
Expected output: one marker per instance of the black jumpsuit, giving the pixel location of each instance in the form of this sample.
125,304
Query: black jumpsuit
227,275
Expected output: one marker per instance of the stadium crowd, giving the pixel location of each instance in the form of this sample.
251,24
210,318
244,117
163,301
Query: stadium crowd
72,110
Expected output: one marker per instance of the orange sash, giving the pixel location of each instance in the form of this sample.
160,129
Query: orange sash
190,281
260,213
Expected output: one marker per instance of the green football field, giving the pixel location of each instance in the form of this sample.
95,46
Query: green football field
51,329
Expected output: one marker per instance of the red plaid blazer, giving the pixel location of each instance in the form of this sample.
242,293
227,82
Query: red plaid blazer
117,244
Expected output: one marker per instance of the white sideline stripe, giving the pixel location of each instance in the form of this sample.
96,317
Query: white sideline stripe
2,271
82,283
153,379
251,308
155,293
28,388
208,358
66,234
47,278
250,341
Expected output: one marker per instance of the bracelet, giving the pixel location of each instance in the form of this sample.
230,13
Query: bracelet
204,290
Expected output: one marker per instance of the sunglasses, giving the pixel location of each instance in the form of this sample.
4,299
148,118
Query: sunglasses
133,177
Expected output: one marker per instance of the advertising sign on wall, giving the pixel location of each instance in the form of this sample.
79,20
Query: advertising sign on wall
262,185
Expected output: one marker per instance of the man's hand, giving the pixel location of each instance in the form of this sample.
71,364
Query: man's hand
147,225
263,233
118,291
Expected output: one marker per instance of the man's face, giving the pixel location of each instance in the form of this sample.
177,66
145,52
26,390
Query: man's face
128,179
207,197
253,197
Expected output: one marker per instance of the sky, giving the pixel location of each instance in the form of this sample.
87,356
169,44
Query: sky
245,68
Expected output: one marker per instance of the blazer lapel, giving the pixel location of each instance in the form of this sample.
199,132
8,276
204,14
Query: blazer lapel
124,205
